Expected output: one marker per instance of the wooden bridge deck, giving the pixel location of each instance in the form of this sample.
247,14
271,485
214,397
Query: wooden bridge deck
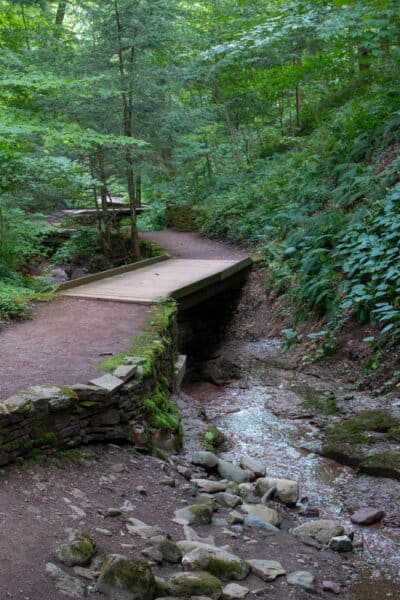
176,277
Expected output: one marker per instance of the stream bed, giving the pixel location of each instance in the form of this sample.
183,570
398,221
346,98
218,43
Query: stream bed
262,414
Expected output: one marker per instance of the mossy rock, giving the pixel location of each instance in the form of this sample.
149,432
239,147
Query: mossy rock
184,585
196,514
218,562
383,464
126,579
364,427
353,442
214,439
79,551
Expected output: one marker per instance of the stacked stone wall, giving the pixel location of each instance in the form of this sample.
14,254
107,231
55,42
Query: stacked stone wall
109,408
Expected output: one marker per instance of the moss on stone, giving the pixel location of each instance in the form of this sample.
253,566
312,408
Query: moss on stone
196,584
227,570
150,343
363,427
202,513
69,393
79,550
352,442
128,576
213,439
383,464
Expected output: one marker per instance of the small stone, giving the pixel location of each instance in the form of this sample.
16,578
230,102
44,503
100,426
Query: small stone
232,472
208,460
113,512
285,490
322,530
210,487
331,586
219,562
78,551
192,536
119,468
254,465
163,547
169,482
302,579
235,517
229,500
185,472
65,583
247,492
309,511
255,521
185,585
141,490
196,514
341,543
268,570
106,532
233,591
367,516
146,532
107,382
125,372
269,515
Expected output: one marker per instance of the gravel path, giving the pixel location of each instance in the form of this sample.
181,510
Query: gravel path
65,340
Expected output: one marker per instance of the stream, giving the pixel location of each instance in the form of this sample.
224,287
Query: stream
261,413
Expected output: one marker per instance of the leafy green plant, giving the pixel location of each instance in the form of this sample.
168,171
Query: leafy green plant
83,243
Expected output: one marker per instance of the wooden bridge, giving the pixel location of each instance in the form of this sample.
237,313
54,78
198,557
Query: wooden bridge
190,281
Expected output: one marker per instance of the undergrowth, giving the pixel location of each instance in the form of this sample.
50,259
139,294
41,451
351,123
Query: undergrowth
325,215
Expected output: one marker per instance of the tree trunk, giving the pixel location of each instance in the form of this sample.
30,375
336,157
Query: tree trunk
27,42
299,95
127,108
104,206
61,8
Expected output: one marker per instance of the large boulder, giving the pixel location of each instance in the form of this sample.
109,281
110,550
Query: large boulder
284,490
322,530
219,562
122,578
184,585
79,550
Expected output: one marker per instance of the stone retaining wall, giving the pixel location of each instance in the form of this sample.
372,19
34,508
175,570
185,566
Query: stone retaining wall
118,406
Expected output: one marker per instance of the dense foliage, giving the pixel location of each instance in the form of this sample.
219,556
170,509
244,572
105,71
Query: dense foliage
278,119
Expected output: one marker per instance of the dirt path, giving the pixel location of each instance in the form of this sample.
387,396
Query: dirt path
65,340
191,245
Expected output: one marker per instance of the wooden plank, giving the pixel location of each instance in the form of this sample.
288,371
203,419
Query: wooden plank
173,277
111,272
